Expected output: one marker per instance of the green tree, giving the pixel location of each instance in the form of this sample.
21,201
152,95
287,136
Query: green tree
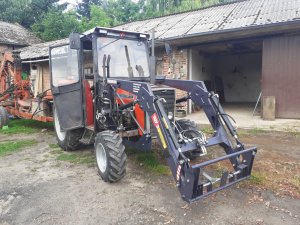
56,25
84,7
26,12
122,11
98,17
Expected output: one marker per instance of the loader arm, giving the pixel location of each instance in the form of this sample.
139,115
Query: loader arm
187,175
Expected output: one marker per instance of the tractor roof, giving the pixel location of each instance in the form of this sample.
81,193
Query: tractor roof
115,32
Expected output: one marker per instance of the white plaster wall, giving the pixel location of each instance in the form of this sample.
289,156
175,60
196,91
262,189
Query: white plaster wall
241,75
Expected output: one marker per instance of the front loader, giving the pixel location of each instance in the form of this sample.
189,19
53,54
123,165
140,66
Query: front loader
103,95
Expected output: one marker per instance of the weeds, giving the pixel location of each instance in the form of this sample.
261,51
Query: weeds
53,146
296,182
9,147
78,157
150,160
292,132
257,178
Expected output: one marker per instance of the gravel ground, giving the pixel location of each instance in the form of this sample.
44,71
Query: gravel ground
36,188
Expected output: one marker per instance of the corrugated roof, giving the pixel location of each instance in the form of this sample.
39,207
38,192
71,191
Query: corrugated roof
237,15
40,50
15,34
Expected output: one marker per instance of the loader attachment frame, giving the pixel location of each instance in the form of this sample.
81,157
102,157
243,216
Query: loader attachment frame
186,174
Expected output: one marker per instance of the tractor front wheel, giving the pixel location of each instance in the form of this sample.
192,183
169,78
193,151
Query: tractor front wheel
110,156
67,140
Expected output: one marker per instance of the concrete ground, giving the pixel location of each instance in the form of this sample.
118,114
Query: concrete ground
242,113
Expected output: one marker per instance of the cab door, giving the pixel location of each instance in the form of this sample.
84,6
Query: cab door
66,85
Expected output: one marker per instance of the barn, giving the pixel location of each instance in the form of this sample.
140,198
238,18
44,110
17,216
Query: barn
246,51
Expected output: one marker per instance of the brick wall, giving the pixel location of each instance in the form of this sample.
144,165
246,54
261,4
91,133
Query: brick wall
175,67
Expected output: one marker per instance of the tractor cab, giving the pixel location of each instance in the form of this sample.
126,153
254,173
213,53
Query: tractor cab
105,92
87,59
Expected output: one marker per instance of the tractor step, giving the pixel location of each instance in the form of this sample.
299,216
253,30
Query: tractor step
87,137
200,184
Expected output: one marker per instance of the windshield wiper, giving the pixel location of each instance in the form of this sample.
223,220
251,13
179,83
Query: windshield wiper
130,70
109,43
140,70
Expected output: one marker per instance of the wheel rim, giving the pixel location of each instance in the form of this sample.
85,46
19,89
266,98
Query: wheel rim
101,157
60,134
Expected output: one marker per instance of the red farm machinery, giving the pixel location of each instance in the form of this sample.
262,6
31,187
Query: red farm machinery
16,96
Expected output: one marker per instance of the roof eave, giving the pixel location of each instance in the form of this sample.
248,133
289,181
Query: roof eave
237,32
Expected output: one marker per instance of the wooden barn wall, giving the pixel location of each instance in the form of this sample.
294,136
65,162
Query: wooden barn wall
281,74
42,78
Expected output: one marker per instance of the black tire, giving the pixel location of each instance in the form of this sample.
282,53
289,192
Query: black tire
4,115
110,155
67,140
189,125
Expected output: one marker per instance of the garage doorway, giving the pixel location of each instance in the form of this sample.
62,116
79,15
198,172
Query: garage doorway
232,69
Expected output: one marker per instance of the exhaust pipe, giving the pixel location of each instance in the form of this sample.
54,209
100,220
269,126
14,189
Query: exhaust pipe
152,59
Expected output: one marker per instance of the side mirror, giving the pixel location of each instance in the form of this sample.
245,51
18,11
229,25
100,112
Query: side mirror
168,49
74,40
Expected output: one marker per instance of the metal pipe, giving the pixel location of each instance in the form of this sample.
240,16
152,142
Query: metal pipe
152,45
33,61
219,179
223,158
152,59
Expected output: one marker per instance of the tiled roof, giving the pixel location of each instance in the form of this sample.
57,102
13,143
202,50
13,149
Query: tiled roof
15,34
236,15
40,50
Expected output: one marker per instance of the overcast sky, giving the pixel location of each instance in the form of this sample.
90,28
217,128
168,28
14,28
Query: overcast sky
70,1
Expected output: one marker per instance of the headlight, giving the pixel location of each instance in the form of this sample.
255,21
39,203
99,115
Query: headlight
170,116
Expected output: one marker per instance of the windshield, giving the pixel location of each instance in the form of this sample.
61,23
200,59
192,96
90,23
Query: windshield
128,57
64,65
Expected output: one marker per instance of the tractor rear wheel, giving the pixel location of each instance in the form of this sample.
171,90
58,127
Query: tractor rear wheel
110,155
4,116
67,140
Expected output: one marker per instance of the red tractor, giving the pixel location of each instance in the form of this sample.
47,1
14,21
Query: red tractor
104,93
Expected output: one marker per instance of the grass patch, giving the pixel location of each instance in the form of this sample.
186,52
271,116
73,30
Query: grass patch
257,178
17,126
78,157
296,182
292,132
249,132
9,147
151,161
208,131
53,146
